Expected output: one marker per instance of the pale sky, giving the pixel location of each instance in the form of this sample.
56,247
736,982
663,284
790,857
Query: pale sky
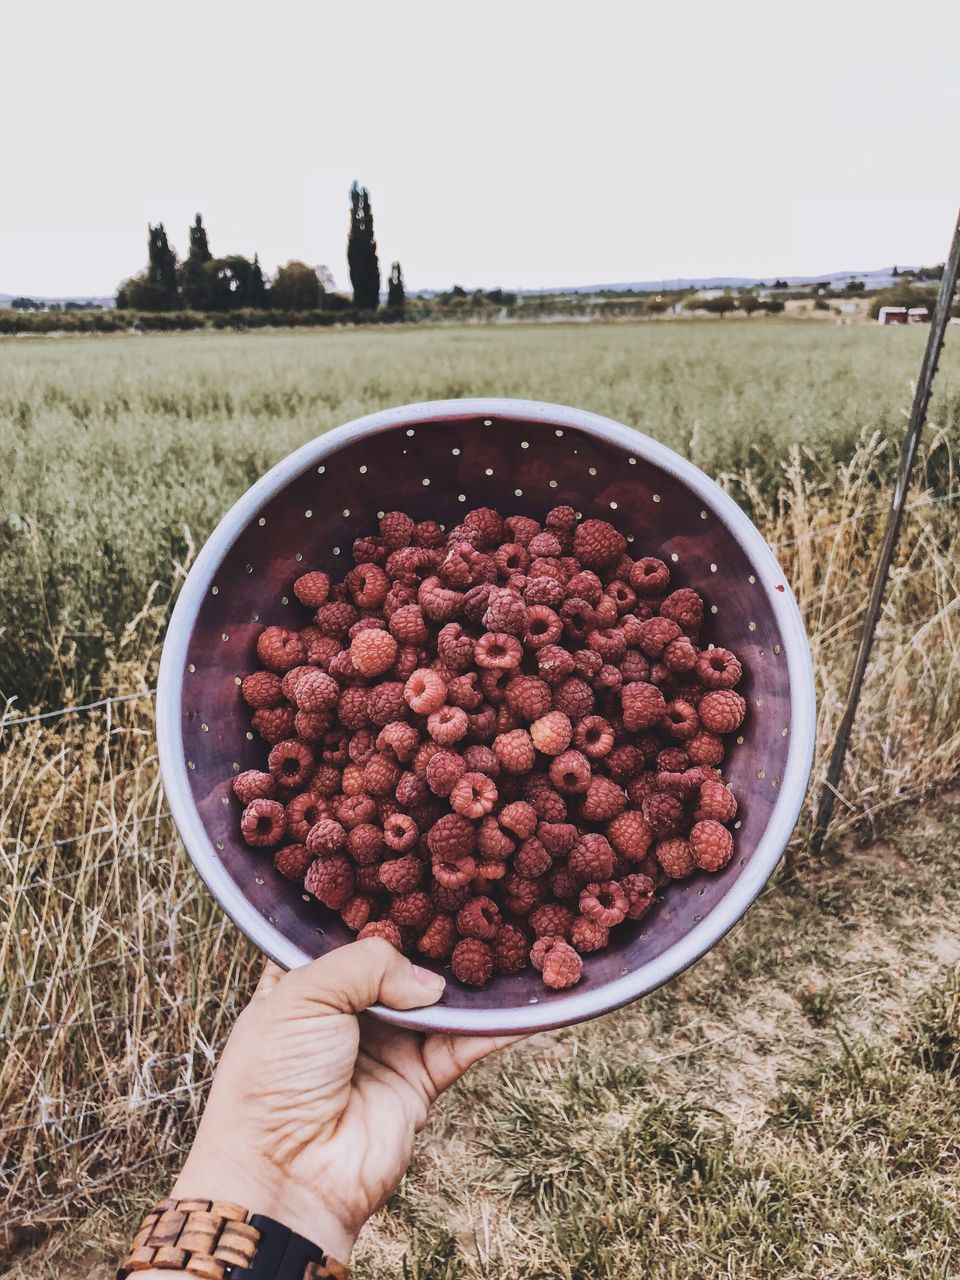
512,142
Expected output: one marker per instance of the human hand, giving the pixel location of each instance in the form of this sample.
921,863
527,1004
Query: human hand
313,1110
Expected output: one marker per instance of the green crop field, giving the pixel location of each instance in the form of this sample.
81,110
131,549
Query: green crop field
788,1107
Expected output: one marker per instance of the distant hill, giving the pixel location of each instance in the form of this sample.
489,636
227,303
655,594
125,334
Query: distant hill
84,300
880,278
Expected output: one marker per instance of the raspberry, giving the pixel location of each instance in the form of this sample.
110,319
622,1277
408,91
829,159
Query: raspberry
597,544
481,725
634,668
574,698
643,705
443,770
604,902
510,948
380,776
676,858
452,836
545,544
543,627
396,529
368,880
705,748
398,741
712,845
680,720
454,647
352,810
649,577
685,607
312,589
558,838
407,625
591,858
639,890
438,938
578,619
594,737
480,759
412,910
316,691
663,814
473,795
438,602
472,962
368,584
303,812
279,649
570,772
510,558
425,691
585,586
603,800
428,533
448,725
587,935
325,780
551,734
367,550
672,760
365,844
400,832
464,566
622,596
718,669
261,689
529,697
680,656
373,652
292,861
522,893
563,518
531,859
554,664
385,929
253,785
356,911
327,836
544,590
291,763
479,917
716,803
492,843
563,883
399,595
449,897
515,751
654,635
625,762
353,708
385,702
610,643
336,618
552,919
488,524
410,566
722,711
505,611
561,966
331,881
497,650
401,875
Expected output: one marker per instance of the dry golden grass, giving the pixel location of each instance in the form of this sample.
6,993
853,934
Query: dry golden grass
121,976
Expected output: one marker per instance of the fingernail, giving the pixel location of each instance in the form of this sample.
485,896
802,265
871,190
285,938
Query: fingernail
435,981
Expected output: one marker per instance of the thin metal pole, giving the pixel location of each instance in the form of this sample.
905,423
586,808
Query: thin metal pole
908,456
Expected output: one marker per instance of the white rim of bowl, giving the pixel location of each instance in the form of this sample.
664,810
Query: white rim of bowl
574,1006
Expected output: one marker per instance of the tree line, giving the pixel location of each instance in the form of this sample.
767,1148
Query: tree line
201,282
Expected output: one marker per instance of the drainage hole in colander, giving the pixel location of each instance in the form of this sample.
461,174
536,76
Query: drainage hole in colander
363,470
191,765
321,470
656,497
592,471
488,471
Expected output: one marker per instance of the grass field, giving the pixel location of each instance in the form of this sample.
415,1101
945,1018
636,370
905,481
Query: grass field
788,1107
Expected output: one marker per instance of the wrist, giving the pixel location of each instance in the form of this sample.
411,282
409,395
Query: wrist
261,1188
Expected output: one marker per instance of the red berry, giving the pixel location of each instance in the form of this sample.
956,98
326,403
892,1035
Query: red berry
472,962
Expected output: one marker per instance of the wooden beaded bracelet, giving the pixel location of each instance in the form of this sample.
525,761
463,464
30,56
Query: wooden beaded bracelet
215,1239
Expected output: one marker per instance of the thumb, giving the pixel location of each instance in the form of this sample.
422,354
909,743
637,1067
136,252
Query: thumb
357,975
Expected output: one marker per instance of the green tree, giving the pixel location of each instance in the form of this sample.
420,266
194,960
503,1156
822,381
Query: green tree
362,251
748,302
256,288
162,264
194,279
396,297
234,281
296,287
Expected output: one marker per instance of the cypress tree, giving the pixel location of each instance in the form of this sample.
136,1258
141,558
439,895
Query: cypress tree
195,281
396,298
256,289
362,251
162,264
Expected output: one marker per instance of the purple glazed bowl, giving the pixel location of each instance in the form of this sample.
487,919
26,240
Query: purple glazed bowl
438,460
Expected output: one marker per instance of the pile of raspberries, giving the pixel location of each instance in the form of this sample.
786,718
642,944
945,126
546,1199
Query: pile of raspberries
492,745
